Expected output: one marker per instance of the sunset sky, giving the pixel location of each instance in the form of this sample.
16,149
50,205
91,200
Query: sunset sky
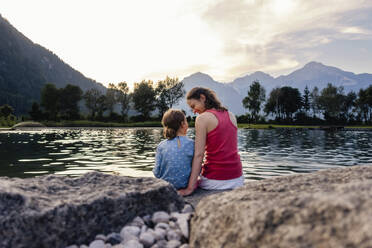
119,40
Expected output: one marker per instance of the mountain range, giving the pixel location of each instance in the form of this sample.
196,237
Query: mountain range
25,67
312,74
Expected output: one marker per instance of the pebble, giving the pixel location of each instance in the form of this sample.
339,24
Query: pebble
133,244
114,238
187,209
160,230
147,239
97,244
134,230
160,216
173,244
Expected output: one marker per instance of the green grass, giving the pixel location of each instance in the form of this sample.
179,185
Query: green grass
267,126
87,123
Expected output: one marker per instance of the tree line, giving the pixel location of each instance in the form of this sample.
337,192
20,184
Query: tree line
147,96
331,105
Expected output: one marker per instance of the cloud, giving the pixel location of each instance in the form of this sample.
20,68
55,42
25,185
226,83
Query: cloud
275,35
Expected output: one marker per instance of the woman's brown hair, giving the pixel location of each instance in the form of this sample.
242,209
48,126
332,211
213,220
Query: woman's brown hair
211,100
172,121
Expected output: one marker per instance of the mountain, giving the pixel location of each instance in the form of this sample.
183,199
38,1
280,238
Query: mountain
312,74
25,67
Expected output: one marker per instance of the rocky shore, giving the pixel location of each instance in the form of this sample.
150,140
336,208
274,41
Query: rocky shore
328,208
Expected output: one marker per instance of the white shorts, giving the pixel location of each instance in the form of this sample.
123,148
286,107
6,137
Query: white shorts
210,184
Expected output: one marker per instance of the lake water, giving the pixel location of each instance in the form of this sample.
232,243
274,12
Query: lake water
131,151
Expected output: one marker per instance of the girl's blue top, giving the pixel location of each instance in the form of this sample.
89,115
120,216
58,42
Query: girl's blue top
173,162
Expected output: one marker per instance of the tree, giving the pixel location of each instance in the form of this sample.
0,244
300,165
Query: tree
6,110
256,96
35,113
123,98
272,104
92,101
111,97
364,104
101,105
168,93
331,101
314,101
144,98
69,99
50,100
284,102
306,100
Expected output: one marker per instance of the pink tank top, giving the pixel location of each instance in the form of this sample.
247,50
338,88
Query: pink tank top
222,161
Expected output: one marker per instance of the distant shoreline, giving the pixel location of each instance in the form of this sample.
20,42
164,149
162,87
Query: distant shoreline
84,123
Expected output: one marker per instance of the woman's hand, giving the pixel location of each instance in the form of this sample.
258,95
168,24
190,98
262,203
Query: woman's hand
185,192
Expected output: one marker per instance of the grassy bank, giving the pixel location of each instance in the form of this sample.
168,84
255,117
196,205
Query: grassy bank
87,123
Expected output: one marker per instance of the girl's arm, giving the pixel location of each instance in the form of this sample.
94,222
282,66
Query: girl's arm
200,139
158,161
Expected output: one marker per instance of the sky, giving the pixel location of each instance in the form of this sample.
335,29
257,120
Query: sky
123,40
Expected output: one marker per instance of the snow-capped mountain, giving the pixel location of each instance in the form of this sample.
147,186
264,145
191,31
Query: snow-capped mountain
312,74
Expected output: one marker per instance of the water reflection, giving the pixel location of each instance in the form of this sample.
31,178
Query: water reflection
131,151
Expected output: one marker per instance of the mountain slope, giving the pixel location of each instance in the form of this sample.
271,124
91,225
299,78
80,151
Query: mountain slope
25,67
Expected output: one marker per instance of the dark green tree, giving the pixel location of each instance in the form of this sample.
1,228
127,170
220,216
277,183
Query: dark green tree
69,99
331,100
254,100
314,101
111,97
36,113
306,100
123,98
144,98
50,100
101,106
168,93
272,103
6,110
364,104
91,98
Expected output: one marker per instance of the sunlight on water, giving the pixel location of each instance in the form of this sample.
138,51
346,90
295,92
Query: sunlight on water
131,151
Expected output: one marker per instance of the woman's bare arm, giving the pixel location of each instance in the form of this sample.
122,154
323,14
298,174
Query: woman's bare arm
200,140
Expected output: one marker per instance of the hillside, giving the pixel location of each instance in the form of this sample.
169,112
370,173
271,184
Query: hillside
25,67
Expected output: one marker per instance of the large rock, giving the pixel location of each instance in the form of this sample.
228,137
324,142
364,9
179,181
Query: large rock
329,208
56,211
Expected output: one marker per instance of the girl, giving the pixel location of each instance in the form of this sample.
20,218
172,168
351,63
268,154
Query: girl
174,155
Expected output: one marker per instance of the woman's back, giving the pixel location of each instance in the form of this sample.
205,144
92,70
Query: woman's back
222,161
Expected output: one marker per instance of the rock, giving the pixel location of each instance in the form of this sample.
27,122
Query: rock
72,246
101,237
173,244
133,244
114,238
55,211
185,246
183,224
147,238
28,124
133,230
159,233
160,244
329,208
173,235
138,221
97,244
188,208
160,216
164,226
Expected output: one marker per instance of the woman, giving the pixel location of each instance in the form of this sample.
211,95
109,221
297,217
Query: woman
216,137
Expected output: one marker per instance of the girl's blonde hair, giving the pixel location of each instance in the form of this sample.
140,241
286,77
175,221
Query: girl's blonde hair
172,121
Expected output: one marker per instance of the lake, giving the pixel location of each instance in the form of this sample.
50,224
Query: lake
131,151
